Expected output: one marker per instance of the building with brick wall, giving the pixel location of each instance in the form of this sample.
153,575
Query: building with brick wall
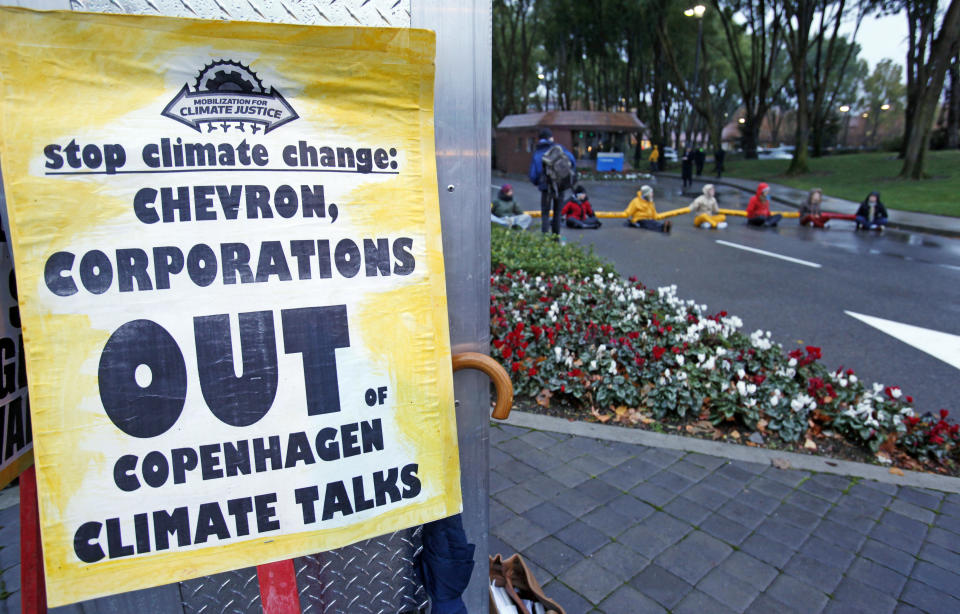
585,133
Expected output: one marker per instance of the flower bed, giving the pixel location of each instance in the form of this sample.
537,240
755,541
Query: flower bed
568,328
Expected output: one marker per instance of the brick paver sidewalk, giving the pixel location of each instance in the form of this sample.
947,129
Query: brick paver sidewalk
626,529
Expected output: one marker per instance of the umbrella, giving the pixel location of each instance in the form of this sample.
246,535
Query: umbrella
446,563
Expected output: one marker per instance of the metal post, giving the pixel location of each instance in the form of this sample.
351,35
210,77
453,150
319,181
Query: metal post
696,82
462,122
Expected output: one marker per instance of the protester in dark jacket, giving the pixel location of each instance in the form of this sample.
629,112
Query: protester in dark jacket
550,197
699,158
758,209
506,212
686,168
871,215
578,212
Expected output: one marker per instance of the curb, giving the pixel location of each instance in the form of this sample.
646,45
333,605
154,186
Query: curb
943,232
731,451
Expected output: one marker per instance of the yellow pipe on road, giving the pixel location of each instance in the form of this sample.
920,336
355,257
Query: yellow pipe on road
675,212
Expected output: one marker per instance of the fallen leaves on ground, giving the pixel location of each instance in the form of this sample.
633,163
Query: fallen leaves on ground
810,445
602,418
896,471
543,399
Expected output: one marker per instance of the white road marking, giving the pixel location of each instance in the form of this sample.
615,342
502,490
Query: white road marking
943,346
771,254
950,266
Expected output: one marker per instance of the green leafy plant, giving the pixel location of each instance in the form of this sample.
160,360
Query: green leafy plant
563,322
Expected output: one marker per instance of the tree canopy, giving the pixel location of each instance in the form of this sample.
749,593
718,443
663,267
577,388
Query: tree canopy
769,63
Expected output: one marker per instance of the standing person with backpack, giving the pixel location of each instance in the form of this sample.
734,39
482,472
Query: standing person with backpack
553,171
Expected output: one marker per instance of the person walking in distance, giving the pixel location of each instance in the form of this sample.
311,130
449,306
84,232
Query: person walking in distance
699,158
758,209
718,157
654,159
553,171
686,168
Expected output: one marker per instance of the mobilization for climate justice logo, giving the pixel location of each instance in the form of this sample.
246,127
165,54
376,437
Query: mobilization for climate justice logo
227,95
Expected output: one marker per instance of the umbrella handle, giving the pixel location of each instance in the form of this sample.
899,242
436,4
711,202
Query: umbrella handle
501,381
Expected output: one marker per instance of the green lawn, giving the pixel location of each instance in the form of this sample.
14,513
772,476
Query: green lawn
853,176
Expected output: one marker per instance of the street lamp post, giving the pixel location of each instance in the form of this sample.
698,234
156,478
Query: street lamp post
546,102
845,109
696,12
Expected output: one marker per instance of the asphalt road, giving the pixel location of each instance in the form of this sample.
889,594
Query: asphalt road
909,278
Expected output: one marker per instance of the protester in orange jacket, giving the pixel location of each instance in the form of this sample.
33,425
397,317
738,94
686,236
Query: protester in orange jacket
758,209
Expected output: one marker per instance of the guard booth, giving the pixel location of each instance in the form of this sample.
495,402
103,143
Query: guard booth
377,575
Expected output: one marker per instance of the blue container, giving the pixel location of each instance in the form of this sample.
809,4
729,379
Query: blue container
610,162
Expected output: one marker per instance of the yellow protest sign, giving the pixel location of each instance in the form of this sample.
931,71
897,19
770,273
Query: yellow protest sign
227,243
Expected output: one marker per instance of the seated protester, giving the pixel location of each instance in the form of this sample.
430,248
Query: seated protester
706,211
872,214
578,212
506,212
758,209
642,213
810,212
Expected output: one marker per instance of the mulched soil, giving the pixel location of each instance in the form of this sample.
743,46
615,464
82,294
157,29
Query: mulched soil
832,446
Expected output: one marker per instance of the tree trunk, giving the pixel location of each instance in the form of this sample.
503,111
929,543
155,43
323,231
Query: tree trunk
953,110
819,127
940,57
798,165
750,133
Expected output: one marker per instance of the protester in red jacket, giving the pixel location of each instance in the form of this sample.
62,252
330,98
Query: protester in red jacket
758,209
578,212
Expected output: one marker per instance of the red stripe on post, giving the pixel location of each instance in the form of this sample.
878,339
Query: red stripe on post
33,591
278,588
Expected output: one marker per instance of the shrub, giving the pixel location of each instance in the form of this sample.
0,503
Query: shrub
597,341
540,254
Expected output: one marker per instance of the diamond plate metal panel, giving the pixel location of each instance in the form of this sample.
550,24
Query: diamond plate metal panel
376,576
233,592
379,13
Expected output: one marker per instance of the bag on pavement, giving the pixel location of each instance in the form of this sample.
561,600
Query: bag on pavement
513,578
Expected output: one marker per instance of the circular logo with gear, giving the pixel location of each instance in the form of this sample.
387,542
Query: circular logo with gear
227,76
229,96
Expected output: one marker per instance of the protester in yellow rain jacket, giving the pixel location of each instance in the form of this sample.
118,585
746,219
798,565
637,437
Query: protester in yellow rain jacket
642,213
654,159
706,212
